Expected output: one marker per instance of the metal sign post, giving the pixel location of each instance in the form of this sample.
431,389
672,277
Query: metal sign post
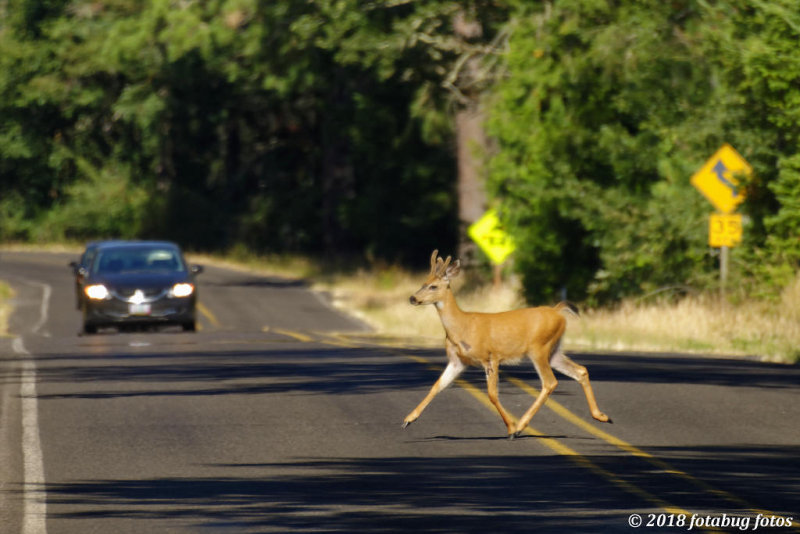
723,268
716,181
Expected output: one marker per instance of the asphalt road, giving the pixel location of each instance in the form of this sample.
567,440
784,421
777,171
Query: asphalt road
279,415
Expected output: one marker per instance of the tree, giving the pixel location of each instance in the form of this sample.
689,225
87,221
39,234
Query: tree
607,111
599,124
236,119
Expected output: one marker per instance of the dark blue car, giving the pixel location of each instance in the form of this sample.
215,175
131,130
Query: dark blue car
123,283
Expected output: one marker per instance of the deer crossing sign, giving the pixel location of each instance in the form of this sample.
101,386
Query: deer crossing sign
490,236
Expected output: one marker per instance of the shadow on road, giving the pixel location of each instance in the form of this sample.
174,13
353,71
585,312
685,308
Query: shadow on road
501,493
308,369
690,370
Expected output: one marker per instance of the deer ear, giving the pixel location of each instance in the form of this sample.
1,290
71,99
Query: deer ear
453,270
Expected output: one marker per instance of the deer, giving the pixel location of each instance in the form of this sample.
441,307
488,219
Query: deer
491,339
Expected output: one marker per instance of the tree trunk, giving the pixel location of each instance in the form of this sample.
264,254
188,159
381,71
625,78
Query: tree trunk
470,143
470,146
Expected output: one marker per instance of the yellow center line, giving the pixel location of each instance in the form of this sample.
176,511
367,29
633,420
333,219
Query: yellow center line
565,413
208,315
290,333
564,450
623,445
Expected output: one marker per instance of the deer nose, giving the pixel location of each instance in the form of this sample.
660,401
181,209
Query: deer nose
412,299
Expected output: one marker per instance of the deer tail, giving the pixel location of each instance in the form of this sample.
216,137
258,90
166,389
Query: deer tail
567,307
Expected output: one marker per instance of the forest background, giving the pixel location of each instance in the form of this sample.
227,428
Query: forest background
338,128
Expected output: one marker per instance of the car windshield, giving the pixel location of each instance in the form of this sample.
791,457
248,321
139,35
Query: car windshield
137,259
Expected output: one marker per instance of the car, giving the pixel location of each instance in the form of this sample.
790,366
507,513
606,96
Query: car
135,283
81,267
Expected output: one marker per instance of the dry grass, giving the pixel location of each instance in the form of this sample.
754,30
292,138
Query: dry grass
6,294
699,324
766,330
379,296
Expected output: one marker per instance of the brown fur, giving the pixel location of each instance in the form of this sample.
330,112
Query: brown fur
489,339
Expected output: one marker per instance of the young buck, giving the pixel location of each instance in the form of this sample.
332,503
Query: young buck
489,339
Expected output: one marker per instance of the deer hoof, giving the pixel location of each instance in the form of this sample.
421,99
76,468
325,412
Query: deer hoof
406,423
514,435
603,418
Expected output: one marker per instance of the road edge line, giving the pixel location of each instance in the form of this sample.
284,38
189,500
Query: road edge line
34,519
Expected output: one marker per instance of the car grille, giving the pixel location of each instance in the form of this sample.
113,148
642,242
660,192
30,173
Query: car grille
150,294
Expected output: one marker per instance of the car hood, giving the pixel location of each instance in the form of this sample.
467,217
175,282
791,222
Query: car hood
140,280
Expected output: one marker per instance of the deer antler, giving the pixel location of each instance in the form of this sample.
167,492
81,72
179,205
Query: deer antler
438,265
441,268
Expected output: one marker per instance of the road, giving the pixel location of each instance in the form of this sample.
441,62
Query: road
280,415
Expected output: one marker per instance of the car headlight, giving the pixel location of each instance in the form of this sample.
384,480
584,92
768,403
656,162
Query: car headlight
181,290
96,292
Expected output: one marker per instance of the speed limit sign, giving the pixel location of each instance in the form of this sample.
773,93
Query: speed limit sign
724,230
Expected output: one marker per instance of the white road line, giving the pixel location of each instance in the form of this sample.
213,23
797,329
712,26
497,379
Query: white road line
45,308
34,520
34,497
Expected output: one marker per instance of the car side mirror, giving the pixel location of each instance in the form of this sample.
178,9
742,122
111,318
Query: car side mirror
196,269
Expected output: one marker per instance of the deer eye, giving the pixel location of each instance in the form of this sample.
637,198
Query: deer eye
432,288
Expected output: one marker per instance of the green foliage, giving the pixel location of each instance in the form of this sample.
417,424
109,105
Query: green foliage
608,109
269,123
105,205
784,226
326,127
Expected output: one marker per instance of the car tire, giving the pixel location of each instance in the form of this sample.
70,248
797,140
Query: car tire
191,326
89,328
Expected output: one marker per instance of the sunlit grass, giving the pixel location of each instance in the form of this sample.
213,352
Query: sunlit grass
380,298
378,295
6,294
701,324
704,323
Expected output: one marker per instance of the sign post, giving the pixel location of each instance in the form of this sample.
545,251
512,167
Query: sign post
716,180
490,236
724,232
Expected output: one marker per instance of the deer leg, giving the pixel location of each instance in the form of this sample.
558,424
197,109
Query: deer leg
549,383
491,369
453,369
560,362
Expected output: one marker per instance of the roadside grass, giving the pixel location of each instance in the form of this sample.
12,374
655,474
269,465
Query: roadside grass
702,324
6,294
378,295
380,298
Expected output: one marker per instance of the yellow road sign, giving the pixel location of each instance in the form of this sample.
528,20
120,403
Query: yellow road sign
716,179
491,237
724,230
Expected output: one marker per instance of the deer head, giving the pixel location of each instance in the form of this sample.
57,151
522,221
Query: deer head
437,284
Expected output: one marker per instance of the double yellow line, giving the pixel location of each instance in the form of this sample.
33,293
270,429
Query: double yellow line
623,445
560,448
564,450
